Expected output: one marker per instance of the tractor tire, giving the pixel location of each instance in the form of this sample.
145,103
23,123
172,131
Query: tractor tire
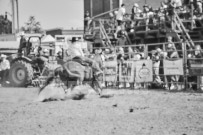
21,74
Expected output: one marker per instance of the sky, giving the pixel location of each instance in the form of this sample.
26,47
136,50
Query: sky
53,13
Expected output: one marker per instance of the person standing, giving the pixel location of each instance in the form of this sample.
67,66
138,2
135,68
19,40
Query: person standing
171,55
86,21
120,18
136,12
199,6
4,69
22,44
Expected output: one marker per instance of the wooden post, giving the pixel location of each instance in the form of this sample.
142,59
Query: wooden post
184,50
111,4
120,2
192,12
165,78
91,8
17,8
146,51
13,16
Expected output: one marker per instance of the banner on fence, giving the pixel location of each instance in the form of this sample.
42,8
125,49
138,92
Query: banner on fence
143,71
126,71
110,71
196,67
173,67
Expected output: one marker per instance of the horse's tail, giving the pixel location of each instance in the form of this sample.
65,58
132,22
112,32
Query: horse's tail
51,78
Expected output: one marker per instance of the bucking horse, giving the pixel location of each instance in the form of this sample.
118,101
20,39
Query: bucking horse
73,73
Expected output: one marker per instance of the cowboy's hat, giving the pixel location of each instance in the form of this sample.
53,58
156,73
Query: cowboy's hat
74,39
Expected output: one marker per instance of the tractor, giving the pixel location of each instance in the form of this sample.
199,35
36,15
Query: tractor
31,66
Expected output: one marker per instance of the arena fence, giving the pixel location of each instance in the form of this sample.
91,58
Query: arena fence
145,69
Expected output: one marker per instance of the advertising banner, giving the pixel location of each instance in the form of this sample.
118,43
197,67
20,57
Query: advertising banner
196,67
126,72
143,71
110,71
173,67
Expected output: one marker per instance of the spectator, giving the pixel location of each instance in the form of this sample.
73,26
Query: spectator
199,6
122,40
86,52
60,55
130,53
136,12
120,18
112,22
46,53
171,49
161,16
98,58
172,54
197,53
4,69
86,21
171,12
156,65
22,43
137,55
146,16
178,4
164,5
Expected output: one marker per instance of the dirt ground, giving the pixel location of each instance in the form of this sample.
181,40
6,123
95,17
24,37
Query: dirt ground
138,112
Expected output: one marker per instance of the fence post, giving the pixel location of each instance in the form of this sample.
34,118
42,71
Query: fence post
165,78
185,64
146,51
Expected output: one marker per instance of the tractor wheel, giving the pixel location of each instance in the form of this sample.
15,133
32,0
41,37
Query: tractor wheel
20,74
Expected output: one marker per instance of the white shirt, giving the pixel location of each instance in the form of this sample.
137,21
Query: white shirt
4,65
75,50
178,3
120,14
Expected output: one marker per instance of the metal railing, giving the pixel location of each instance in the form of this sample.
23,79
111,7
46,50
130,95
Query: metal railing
165,72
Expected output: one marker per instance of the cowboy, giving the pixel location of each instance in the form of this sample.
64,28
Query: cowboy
75,52
4,68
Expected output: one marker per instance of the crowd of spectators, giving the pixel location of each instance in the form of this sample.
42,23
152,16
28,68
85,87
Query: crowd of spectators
150,18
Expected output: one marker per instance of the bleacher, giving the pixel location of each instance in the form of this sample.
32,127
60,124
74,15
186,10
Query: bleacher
102,30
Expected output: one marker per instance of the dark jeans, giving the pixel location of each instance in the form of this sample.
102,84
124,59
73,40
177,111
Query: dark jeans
4,75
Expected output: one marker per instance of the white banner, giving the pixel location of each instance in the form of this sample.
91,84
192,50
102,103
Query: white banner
173,67
110,71
143,71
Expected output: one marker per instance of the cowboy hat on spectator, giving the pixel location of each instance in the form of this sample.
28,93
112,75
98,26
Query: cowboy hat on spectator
136,5
22,33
